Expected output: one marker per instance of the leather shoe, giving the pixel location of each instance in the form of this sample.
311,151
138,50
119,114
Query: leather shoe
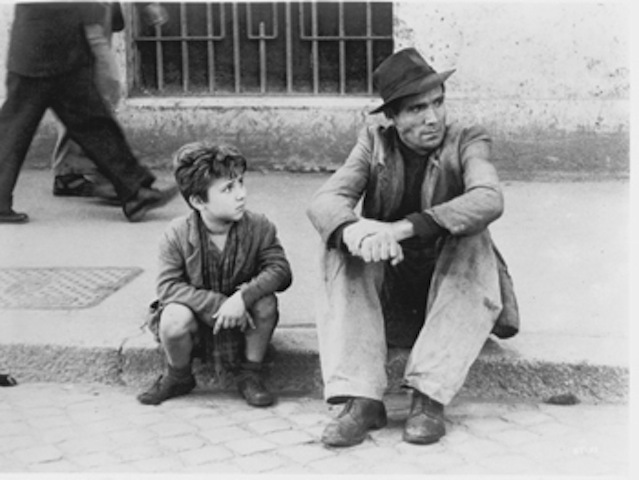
252,389
166,387
13,217
425,422
145,200
358,417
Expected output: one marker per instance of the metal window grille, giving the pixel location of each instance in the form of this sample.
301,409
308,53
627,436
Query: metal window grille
283,48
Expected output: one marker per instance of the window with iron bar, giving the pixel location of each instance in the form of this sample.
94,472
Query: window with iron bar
282,48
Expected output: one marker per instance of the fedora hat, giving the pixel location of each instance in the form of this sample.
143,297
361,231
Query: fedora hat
405,73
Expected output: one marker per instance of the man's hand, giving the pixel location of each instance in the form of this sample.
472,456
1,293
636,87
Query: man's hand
381,247
373,241
232,314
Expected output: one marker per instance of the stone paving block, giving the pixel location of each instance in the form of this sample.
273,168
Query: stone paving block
207,454
306,453
60,434
15,442
149,417
252,415
513,436
479,448
182,443
259,463
436,461
133,453
46,412
87,444
249,446
395,467
486,426
218,468
374,453
511,464
60,466
158,465
131,436
97,459
288,437
528,417
269,425
11,429
455,435
552,429
308,419
225,434
209,422
45,453
59,420
172,428
335,465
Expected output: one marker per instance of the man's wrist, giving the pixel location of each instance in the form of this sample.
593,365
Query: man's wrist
402,229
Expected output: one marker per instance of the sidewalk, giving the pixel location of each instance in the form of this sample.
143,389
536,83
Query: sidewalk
54,428
566,245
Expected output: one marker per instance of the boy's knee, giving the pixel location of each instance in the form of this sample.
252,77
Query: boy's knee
265,310
177,320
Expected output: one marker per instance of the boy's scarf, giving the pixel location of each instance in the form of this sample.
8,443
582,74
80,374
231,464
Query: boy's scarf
226,349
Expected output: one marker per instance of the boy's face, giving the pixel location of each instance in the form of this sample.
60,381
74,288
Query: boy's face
226,200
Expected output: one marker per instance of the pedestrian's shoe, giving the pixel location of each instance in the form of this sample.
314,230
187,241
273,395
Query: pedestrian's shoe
358,417
10,216
425,422
72,185
7,380
147,199
251,386
105,191
165,387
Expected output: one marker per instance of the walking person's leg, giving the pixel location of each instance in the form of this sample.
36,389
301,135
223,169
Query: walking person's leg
21,113
82,110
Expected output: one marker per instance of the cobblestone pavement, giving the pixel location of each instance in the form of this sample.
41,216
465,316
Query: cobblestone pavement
101,428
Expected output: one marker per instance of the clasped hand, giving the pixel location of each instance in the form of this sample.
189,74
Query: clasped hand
233,314
373,241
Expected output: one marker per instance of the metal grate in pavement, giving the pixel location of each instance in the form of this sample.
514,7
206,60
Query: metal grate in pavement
54,288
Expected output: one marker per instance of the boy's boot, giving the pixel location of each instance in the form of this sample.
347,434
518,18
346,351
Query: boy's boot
358,417
425,422
251,385
176,382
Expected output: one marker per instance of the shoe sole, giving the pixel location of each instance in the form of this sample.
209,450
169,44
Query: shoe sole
139,215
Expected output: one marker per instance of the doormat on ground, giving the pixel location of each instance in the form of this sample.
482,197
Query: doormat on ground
54,288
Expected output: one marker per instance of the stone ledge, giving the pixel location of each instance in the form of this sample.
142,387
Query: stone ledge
496,374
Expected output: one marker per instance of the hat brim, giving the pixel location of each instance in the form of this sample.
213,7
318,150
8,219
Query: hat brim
421,85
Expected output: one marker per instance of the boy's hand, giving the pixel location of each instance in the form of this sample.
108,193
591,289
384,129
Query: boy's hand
232,314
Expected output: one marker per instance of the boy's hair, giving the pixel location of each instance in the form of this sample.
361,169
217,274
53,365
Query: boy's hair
197,165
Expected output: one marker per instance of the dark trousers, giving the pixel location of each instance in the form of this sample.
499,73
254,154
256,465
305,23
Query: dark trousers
75,100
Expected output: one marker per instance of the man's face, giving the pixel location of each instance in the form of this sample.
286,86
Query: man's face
421,120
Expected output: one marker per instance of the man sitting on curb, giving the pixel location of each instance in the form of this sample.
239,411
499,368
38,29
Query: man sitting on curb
418,268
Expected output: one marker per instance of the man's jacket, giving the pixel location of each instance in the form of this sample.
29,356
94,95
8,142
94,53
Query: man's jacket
460,190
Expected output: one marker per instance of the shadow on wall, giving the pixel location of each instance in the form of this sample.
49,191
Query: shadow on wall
538,154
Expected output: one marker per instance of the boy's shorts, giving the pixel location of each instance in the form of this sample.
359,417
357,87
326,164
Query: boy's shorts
224,351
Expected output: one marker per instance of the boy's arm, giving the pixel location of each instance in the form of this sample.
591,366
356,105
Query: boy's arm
173,285
274,271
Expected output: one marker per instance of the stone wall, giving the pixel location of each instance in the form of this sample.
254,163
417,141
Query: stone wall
549,80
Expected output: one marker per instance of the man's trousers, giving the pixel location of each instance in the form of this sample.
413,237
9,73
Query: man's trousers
76,101
462,301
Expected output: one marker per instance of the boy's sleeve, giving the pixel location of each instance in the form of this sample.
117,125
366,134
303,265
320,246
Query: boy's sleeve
173,285
274,271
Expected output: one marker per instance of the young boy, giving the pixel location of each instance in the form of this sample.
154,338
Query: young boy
220,267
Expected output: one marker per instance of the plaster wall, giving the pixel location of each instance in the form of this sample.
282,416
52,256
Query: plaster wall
550,80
